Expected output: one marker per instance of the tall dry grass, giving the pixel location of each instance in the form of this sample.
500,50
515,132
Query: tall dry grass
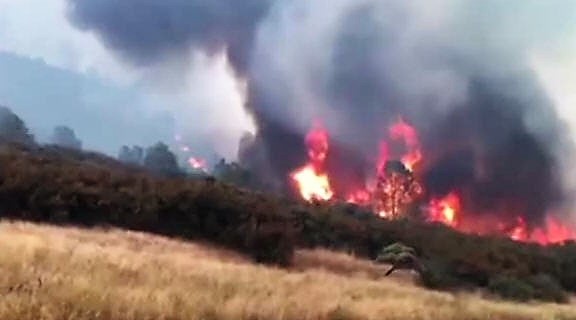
97,274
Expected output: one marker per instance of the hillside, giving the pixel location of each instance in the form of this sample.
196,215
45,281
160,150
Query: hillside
69,273
60,186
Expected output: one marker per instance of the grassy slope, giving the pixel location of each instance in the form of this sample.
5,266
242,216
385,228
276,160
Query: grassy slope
97,274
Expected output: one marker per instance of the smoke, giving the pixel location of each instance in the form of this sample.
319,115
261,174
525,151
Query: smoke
185,51
461,71
147,31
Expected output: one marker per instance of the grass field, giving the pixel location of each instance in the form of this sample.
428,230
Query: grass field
66,273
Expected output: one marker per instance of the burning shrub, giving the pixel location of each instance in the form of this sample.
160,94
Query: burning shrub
406,186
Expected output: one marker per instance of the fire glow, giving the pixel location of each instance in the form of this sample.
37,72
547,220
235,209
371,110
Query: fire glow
195,163
398,189
312,181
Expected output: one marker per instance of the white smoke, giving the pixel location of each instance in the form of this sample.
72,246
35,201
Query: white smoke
426,52
296,42
201,92
557,73
208,101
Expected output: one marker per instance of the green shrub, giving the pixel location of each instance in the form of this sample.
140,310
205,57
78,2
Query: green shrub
436,274
511,288
52,184
547,289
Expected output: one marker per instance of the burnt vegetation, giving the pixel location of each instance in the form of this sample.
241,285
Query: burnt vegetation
68,186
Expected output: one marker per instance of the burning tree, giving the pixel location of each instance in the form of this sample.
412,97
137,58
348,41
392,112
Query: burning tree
399,191
396,190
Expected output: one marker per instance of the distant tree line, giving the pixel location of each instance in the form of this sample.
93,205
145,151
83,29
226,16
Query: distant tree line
66,137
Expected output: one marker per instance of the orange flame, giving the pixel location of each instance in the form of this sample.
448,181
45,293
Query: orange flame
197,163
311,180
396,189
194,162
359,197
311,185
408,134
553,231
445,210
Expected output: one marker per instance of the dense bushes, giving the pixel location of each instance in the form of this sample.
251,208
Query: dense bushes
450,259
511,288
537,287
70,186
58,185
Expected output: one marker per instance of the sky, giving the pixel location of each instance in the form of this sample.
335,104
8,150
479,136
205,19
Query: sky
52,73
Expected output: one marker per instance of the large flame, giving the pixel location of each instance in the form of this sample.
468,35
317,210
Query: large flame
312,180
402,131
445,210
397,188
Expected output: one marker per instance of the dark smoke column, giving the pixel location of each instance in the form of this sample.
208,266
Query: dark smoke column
144,31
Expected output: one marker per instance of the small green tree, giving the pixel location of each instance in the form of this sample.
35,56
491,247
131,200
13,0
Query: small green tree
399,256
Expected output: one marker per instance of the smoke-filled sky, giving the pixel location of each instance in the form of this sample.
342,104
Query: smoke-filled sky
52,72
505,69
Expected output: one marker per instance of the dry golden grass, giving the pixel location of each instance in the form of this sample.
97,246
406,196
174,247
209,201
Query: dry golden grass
97,274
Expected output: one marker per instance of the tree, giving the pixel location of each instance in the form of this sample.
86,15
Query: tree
66,137
13,129
400,256
234,174
160,159
132,155
396,190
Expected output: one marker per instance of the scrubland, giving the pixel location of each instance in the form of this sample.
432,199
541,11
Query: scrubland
49,272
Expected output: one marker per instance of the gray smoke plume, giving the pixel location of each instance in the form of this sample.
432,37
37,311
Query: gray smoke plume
145,31
461,71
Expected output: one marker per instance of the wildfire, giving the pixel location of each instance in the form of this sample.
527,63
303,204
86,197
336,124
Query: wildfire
197,164
402,131
312,185
312,181
397,189
360,197
553,231
445,210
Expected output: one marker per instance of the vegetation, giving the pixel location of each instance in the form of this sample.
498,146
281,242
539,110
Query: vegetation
12,128
132,155
58,185
159,159
66,137
400,257
67,186
96,274
541,287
